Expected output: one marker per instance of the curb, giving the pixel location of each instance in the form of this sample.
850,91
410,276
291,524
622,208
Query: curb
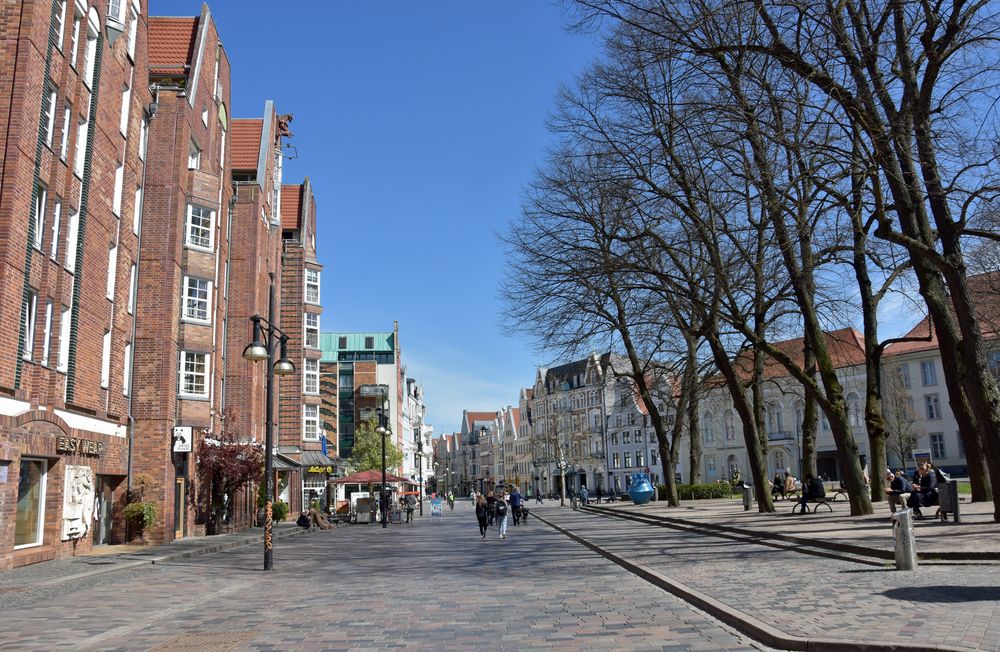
874,553
756,629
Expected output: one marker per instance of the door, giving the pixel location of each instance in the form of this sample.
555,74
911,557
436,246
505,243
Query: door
103,507
180,489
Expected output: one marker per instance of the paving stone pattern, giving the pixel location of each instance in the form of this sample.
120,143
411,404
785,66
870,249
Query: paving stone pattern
428,586
804,595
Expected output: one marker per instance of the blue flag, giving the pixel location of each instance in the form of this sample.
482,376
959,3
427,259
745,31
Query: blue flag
322,439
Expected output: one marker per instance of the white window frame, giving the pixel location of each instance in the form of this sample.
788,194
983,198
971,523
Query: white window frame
189,230
123,119
307,329
194,156
133,26
41,200
80,152
938,450
61,30
127,370
308,420
56,218
30,315
50,102
310,377
189,389
193,303
137,211
72,236
116,9
90,54
932,406
112,272
312,284
928,373
40,526
904,374
143,137
62,361
106,360
131,289
74,41
116,198
64,137
46,333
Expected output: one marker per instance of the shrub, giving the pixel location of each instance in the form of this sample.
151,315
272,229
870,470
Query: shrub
141,515
279,510
702,491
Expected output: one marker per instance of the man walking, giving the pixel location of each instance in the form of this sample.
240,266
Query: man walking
515,504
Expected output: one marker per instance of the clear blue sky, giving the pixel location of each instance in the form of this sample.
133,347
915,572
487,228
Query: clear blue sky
419,123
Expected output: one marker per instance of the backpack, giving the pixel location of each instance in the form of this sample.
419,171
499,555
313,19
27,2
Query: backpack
501,508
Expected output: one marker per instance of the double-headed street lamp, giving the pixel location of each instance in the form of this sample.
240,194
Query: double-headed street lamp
420,469
263,348
384,430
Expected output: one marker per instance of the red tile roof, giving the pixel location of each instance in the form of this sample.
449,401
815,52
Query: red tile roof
171,43
291,202
480,416
985,290
846,347
245,143
516,416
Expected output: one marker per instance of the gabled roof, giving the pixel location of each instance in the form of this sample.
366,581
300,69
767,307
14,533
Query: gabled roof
245,143
846,347
291,206
171,43
985,290
473,417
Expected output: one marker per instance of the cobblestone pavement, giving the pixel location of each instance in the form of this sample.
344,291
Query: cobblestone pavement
429,586
804,595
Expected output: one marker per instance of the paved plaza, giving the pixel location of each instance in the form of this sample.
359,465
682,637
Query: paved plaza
429,586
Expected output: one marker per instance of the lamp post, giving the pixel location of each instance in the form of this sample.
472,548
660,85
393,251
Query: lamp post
420,470
384,430
263,349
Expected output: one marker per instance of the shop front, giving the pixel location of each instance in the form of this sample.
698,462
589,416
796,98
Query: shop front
61,485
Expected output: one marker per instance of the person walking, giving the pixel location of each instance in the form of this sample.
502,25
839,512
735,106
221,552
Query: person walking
599,493
516,500
500,514
538,498
410,504
491,505
481,516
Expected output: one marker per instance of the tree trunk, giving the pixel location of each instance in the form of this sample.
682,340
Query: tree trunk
810,419
694,439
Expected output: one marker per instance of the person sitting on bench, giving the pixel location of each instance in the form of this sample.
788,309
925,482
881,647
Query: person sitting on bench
898,490
812,489
925,492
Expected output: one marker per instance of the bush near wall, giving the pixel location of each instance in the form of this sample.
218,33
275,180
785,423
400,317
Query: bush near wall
700,491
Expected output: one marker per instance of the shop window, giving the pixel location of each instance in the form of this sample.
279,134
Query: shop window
30,518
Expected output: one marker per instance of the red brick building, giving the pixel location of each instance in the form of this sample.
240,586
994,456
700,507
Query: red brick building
74,105
180,352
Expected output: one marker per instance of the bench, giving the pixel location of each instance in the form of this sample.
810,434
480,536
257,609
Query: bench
839,493
815,502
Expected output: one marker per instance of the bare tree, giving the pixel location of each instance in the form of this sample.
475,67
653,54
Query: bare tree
900,421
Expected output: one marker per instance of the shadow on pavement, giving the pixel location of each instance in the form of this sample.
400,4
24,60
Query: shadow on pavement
945,593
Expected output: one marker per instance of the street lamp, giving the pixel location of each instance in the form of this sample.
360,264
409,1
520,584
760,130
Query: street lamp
384,430
265,337
420,470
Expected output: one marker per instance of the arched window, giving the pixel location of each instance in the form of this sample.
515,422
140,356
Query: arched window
775,418
710,466
780,461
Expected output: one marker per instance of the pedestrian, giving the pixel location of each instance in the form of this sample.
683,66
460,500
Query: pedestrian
500,507
490,505
538,498
584,495
472,496
304,521
410,505
516,503
481,516
599,493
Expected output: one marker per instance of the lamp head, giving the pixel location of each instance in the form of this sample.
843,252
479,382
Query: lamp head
256,350
284,366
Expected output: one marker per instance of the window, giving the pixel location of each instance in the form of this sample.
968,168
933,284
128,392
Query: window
56,218
64,136
41,198
194,156
64,320
708,428
60,24
74,41
194,373
90,54
928,373
204,117
626,437
730,427
143,138
627,457
81,148
615,461
639,459
116,199
131,289
199,227
993,363
127,370
341,342
614,439
137,211
106,360
312,286
46,333
653,457
638,436
72,233
937,445
311,369
28,315
126,105
710,465
30,518
197,299
133,24
310,422
49,115
933,405
904,374
115,10
369,342
312,331
112,272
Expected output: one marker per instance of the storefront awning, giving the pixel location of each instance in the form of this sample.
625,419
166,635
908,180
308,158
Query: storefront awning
317,462
282,463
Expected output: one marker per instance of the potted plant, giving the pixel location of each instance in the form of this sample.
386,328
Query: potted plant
140,517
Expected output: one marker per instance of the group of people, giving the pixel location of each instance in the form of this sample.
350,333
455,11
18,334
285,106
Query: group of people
494,508
920,491
783,486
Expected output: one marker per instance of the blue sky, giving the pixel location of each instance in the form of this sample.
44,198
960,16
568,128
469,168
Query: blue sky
419,123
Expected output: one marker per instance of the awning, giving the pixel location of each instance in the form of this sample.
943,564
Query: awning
282,463
373,476
317,462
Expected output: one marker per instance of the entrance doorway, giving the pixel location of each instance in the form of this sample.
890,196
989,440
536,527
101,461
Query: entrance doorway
180,495
104,505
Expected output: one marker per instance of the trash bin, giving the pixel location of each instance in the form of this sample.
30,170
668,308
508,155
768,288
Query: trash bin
904,544
747,497
948,501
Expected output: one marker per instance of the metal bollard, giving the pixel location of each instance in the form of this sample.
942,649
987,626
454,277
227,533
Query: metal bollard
656,494
904,543
747,497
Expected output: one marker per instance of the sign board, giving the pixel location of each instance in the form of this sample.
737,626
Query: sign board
922,455
319,469
373,390
76,446
182,439
437,507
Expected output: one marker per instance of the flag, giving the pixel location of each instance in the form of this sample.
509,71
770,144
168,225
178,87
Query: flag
322,439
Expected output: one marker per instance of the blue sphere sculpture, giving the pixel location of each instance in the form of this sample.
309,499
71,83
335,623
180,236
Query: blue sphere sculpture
641,489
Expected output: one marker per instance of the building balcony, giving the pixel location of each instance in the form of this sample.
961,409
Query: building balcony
779,435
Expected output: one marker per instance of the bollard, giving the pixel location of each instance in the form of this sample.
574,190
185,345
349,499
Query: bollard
656,494
904,543
747,497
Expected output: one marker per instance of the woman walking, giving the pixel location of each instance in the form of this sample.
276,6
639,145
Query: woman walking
500,509
481,516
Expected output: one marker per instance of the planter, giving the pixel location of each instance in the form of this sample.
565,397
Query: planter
641,490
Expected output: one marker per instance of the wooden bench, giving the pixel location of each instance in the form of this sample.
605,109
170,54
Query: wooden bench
816,503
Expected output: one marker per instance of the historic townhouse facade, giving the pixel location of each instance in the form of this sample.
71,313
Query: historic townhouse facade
416,458
631,441
75,110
